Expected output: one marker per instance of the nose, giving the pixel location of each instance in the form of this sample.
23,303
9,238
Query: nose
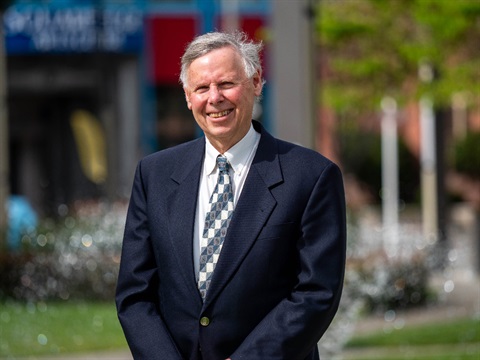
214,94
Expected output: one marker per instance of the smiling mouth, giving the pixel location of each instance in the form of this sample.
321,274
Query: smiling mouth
220,114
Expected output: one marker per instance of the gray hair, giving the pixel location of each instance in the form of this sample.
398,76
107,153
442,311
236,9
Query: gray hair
203,44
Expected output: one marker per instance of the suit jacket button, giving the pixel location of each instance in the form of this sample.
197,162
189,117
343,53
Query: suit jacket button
204,321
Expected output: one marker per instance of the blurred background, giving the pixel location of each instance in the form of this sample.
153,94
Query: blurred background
390,90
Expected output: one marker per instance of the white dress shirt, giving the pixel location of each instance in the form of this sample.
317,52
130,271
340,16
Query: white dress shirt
240,157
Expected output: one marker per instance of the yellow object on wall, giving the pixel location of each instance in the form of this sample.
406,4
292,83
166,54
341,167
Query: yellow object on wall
90,140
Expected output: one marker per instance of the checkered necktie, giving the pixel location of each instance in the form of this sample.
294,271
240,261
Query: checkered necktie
216,224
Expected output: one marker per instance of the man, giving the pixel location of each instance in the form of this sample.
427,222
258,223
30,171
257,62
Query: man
266,282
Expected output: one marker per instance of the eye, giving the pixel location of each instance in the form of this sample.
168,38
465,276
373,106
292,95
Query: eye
226,85
201,89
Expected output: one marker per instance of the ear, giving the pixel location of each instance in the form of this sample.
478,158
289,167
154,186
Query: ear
187,98
257,83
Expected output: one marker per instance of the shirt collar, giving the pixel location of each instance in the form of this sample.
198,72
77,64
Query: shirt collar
237,155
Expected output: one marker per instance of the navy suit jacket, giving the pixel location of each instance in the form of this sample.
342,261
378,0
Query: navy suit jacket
278,280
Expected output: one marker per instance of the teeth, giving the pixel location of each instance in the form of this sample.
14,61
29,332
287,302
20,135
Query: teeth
219,114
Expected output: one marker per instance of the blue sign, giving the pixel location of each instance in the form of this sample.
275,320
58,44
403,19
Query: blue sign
46,29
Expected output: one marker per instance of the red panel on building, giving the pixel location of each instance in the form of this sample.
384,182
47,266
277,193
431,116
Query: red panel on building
253,26
167,38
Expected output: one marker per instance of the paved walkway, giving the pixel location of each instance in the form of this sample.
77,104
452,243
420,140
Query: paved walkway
116,355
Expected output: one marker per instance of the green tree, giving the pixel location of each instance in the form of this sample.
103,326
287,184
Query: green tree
374,48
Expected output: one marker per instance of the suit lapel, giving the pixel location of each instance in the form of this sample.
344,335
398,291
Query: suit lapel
182,204
252,211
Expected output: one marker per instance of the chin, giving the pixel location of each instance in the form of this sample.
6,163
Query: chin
220,127
220,133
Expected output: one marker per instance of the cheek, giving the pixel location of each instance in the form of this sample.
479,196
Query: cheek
246,103
238,99
194,105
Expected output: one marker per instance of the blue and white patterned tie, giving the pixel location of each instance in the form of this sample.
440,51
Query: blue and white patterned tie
216,224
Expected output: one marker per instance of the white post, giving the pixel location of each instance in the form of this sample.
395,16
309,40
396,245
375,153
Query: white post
293,72
389,175
428,164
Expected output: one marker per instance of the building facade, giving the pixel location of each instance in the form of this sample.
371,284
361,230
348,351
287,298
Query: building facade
92,86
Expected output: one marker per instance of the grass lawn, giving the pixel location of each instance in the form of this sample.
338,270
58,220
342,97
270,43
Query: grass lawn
58,328
450,340
73,327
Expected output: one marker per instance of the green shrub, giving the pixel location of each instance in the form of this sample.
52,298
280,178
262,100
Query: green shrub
74,257
387,284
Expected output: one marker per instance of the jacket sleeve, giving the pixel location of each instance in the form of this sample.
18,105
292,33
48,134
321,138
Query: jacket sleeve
292,329
136,297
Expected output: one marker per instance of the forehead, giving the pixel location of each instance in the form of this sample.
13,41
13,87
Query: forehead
215,65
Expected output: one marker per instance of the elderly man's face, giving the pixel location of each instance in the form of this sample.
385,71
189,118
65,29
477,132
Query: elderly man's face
221,96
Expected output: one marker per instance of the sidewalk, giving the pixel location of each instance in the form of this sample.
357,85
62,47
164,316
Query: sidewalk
100,355
115,355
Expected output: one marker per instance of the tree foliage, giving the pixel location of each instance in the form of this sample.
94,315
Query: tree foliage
374,48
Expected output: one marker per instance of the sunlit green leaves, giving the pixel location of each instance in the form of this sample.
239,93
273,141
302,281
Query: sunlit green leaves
373,48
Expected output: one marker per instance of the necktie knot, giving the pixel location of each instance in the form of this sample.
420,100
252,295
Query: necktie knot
222,163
